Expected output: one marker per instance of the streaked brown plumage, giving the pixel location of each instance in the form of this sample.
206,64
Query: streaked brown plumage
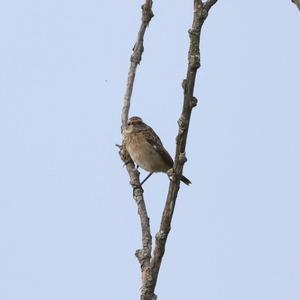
146,149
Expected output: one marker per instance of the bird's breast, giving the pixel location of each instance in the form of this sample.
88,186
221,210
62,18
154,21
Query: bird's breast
144,154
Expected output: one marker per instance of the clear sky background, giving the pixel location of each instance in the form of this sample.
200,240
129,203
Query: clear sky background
68,225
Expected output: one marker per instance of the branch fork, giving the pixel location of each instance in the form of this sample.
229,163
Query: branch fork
150,263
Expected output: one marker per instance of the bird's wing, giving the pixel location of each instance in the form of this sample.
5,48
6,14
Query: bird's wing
153,139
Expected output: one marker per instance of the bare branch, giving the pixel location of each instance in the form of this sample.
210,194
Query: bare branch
200,14
144,254
135,59
297,2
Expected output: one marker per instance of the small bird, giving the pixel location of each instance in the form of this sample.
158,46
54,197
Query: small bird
146,149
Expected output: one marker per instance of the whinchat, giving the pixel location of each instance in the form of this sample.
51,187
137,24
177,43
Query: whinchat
146,149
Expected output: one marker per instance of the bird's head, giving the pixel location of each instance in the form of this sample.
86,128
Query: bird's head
134,123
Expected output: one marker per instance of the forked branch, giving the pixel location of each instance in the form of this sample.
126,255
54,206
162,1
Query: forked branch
150,265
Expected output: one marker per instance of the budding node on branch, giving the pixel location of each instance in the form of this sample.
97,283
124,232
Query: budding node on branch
182,157
194,61
193,31
182,123
147,13
194,102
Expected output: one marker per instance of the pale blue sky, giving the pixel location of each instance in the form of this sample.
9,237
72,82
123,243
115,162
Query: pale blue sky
68,225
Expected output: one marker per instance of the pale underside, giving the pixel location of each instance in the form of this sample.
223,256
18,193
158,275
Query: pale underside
144,154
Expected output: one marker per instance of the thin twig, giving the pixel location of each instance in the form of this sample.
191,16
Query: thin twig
200,14
144,254
136,57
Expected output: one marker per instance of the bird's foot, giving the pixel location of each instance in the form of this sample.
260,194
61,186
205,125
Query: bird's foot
146,178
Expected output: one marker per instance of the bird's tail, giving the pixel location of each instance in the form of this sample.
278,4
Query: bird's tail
185,180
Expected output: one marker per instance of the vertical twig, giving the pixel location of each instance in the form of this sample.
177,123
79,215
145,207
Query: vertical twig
144,254
200,14
136,57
